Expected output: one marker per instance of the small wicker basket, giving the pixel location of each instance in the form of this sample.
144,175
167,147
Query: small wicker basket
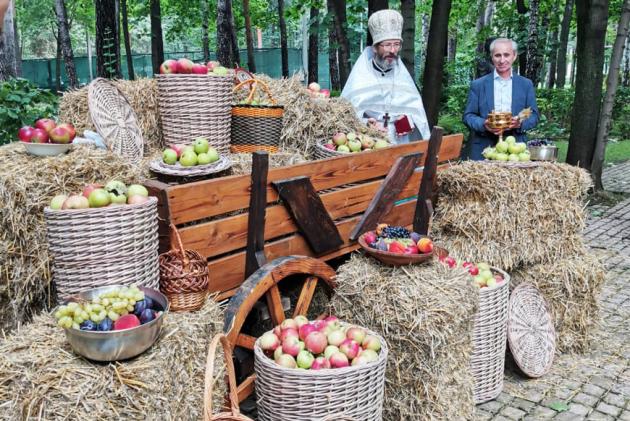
354,392
321,152
489,340
234,414
183,277
256,127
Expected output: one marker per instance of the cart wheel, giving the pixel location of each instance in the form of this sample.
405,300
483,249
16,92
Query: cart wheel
264,283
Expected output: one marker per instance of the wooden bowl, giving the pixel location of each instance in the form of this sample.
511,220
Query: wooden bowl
395,259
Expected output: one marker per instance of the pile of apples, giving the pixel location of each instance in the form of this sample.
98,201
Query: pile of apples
46,130
351,142
186,66
316,91
198,153
97,196
482,274
507,150
319,344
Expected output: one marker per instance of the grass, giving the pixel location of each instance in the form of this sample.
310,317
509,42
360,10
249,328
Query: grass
615,151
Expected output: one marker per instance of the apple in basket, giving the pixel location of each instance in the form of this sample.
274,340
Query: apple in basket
184,65
314,86
169,156
169,67
89,188
200,69
212,64
201,145
76,202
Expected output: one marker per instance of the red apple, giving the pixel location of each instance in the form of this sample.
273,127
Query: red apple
25,134
70,128
411,250
184,65
60,135
473,270
200,69
450,261
90,188
396,247
39,136
212,64
45,124
169,67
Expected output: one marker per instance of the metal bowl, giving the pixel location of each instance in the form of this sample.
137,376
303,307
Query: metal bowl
118,344
543,153
46,149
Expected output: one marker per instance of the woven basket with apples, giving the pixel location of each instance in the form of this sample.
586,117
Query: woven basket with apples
195,159
351,142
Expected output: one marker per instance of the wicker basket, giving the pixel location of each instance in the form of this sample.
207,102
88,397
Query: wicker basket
234,414
489,340
183,277
104,246
320,152
355,392
256,127
193,105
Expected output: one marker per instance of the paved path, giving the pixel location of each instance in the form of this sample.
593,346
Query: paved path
594,386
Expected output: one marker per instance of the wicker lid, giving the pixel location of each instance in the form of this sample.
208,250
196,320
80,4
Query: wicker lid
115,120
531,334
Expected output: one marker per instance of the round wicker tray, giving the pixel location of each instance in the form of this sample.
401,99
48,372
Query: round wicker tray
115,120
530,331
320,152
394,259
178,170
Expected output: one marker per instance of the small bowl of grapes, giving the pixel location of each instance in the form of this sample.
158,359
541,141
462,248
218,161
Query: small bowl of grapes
542,150
114,322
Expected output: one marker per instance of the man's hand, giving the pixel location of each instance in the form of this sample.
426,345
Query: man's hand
490,129
372,123
516,123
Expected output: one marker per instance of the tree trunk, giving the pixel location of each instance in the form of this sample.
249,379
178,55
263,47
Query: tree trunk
58,63
18,47
225,31
375,6
283,39
592,18
205,23
339,18
8,53
484,64
521,8
107,39
125,29
626,66
434,69
533,64
424,36
313,45
235,51
333,64
408,11
65,42
565,28
553,55
251,62
157,40
452,46
609,99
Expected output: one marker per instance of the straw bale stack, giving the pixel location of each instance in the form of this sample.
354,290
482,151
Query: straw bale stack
426,315
143,98
41,377
27,184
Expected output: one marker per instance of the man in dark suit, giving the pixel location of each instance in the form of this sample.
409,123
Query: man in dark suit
500,90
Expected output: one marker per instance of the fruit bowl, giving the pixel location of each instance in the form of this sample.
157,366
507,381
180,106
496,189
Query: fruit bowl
46,149
117,344
396,259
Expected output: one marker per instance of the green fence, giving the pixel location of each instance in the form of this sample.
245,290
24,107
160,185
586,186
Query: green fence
43,72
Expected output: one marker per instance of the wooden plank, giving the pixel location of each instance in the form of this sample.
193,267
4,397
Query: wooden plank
424,208
160,190
204,199
309,214
387,193
228,272
255,256
306,296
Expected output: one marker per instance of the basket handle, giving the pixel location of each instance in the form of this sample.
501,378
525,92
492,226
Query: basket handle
175,233
227,355
252,91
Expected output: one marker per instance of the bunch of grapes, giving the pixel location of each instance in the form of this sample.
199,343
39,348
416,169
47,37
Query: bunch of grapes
540,142
110,305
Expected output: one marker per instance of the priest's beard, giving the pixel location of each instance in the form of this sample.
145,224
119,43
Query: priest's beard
386,61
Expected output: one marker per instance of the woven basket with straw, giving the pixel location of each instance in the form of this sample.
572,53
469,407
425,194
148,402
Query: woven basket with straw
193,105
114,245
234,413
256,127
354,392
183,277
489,340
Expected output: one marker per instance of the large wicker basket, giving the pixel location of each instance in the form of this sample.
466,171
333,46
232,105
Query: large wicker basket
113,245
355,392
489,340
256,127
193,105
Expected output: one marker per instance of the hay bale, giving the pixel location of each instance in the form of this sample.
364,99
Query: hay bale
26,186
242,162
426,315
511,217
143,98
571,287
40,375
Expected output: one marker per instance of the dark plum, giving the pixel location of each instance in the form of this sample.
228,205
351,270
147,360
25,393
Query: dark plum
140,306
150,303
381,245
147,315
88,325
106,325
415,237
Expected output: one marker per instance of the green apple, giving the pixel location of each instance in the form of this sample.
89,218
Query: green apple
188,159
117,199
486,274
513,148
220,71
187,148
354,145
380,144
57,201
502,147
213,154
513,157
99,198
510,139
169,156
491,283
483,266
522,147
137,190
343,148
501,156
201,145
203,159
524,156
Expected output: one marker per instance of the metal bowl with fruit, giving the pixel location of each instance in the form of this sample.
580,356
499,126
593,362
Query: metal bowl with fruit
102,324
542,150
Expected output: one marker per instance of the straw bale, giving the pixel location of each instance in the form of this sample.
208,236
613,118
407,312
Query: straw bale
242,162
571,287
27,184
511,217
426,315
143,98
42,378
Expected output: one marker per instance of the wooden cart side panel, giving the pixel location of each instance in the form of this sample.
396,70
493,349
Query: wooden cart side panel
203,199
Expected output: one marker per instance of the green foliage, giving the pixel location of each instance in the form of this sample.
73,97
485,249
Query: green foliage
21,103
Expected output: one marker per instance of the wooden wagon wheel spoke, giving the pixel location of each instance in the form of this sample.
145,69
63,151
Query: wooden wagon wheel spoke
306,296
274,302
246,341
